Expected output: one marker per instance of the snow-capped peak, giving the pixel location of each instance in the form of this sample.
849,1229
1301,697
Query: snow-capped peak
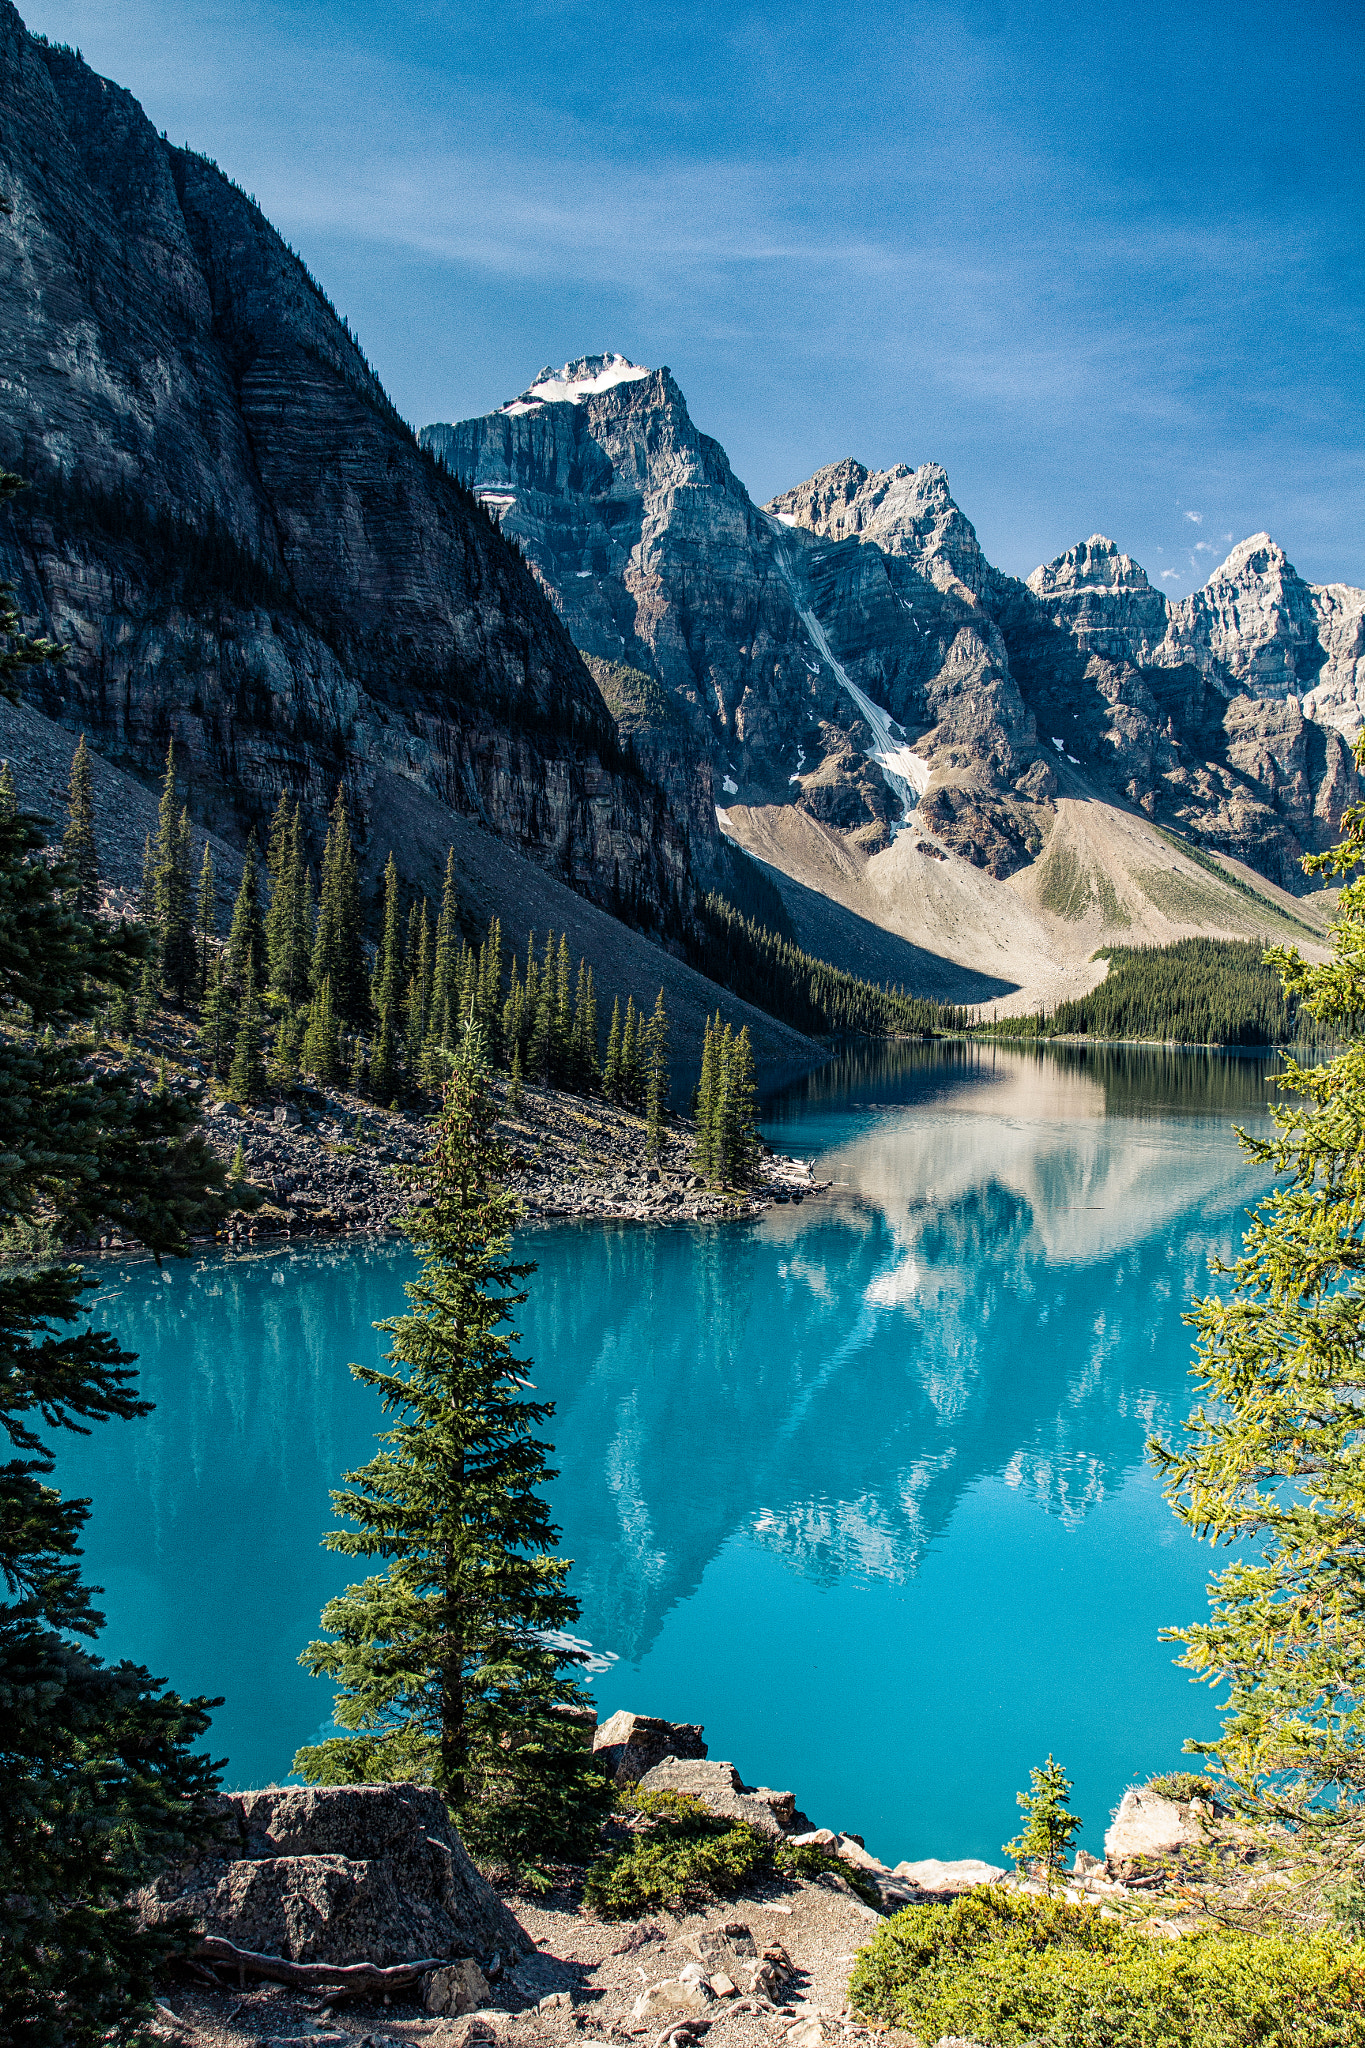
586,377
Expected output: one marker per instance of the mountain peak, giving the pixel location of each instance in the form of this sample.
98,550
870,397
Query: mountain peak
1094,564
584,377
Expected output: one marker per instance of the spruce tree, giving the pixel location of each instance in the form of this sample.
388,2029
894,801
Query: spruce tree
514,1081
561,1050
389,976
146,900
656,1078
288,937
217,1020
630,1058
450,1661
78,840
707,1089
1044,1842
246,1081
321,1052
1271,1459
205,919
246,934
385,1073
586,1075
742,1113
338,948
444,987
540,1051
723,1141
98,1783
611,1072
172,916
513,1013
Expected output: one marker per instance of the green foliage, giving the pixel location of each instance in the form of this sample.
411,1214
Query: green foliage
321,1052
246,955
1014,1970
1271,1459
246,1081
172,914
18,651
762,967
728,1143
681,1857
98,1783
338,949
1044,1841
1195,992
1181,1787
656,1078
455,1651
78,841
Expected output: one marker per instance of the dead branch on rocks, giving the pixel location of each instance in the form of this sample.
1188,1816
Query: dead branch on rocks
348,1977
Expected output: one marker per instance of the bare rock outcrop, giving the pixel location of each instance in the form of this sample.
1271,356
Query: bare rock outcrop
629,1745
339,1874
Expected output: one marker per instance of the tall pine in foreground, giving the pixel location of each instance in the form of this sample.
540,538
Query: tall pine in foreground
447,1662
1271,1460
99,1786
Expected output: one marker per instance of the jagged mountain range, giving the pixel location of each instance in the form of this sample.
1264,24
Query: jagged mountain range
1226,715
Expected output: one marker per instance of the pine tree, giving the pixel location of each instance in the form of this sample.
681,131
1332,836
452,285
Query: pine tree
656,1078
246,1081
338,948
286,1053
385,1076
585,1073
99,1787
246,934
540,1051
723,1139
417,1001
217,1020
172,918
1044,1842
450,1661
514,1081
277,844
78,840
444,986
514,1013
288,936
742,1113
1272,1464
630,1058
561,1045
611,1072
146,900
205,920
389,977
321,1052
707,1090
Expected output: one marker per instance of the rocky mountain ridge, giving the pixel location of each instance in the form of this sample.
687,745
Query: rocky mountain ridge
857,614
241,541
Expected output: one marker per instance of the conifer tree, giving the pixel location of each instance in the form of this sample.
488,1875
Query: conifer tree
630,1058
205,920
444,986
656,1078
288,933
514,1081
611,1072
172,917
1272,1464
541,1047
389,977
321,1051
217,1020
513,1012
490,991
586,1076
286,1052
78,840
703,1157
246,1081
450,1661
1044,1842
98,1783
562,1041
723,1135
417,1001
742,1113
338,948
277,841
385,1077
146,901
246,934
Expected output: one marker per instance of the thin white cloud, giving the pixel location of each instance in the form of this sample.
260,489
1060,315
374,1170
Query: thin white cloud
1196,517
1170,576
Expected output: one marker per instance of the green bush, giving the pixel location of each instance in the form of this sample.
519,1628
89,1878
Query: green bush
808,1859
1181,1786
998,1967
681,1857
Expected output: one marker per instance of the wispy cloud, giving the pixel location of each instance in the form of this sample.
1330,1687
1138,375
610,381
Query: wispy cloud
1196,517
1170,576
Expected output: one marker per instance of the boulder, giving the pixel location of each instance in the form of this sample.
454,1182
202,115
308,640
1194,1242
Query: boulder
1149,1832
459,1988
947,1880
628,1745
338,1874
723,1792
671,1995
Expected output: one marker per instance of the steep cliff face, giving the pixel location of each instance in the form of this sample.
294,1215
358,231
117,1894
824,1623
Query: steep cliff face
855,619
243,543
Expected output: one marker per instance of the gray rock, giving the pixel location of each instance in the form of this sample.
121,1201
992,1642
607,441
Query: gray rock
722,1791
459,1988
946,1880
338,1874
629,1745
670,1995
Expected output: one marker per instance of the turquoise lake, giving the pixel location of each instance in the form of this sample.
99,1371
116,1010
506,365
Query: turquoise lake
860,1484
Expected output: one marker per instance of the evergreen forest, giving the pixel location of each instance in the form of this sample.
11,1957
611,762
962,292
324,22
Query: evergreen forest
1195,992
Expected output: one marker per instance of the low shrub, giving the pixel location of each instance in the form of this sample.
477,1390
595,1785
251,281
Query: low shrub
808,1859
995,1966
1181,1786
680,1856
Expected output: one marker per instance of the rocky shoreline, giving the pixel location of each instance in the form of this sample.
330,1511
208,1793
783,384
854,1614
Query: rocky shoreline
330,1164
322,1902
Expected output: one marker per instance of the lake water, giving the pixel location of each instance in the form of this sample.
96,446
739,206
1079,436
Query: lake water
859,1484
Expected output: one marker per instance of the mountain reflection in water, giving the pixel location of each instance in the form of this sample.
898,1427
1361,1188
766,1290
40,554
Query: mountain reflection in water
859,1484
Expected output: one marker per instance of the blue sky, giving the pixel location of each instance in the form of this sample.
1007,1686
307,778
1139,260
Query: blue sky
1102,262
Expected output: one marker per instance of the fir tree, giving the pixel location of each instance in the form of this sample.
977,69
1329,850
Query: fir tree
1044,1842
514,1013
246,1081
389,977
78,840
9,801
656,1078
205,918
441,1020
172,918
540,1051
1272,1464
286,1053
708,1086
514,1081
611,1072
630,1058
288,936
561,1048
146,900
98,1784
385,1078
217,1020
321,1053
585,1075
276,845
246,934
338,948
449,1661
744,1145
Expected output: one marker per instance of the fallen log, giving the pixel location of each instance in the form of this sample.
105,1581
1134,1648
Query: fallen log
216,1948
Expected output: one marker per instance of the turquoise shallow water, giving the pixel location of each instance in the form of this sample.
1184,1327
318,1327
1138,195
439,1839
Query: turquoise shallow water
859,1485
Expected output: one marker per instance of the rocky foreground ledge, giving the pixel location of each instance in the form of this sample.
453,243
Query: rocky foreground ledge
351,1917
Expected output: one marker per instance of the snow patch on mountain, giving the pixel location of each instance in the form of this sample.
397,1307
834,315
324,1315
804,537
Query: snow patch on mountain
586,377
